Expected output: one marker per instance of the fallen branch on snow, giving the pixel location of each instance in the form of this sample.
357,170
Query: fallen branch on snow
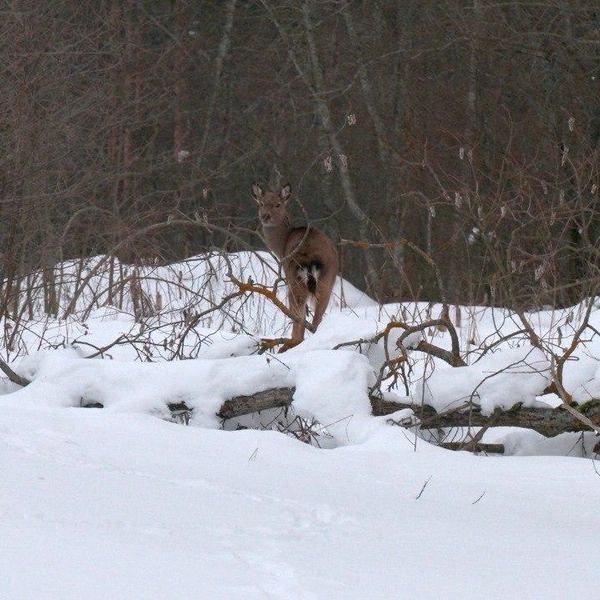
12,376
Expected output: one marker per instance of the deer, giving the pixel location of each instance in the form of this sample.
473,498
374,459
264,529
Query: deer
308,258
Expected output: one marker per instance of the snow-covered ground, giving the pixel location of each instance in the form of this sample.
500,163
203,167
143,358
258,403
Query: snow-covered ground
121,503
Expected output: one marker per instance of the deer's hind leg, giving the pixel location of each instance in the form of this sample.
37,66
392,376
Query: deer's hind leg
297,305
321,298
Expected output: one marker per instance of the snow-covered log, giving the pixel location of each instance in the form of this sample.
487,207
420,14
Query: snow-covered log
547,421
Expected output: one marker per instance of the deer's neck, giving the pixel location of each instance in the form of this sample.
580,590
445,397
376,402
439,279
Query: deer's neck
276,237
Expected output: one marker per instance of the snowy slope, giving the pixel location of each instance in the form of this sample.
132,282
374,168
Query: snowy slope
96,505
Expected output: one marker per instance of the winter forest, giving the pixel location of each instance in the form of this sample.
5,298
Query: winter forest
470,128
435,436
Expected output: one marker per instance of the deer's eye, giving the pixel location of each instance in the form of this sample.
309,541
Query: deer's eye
278,205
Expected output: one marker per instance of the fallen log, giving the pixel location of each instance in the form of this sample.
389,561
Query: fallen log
547,421
550,422
479,447
243,405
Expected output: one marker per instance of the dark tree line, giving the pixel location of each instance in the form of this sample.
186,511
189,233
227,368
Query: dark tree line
469,127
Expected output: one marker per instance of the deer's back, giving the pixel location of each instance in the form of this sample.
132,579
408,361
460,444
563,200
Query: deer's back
304,247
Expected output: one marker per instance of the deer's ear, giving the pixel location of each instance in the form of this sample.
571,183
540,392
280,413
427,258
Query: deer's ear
257,192
286,192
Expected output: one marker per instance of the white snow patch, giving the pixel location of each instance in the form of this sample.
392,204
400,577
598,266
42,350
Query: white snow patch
502,379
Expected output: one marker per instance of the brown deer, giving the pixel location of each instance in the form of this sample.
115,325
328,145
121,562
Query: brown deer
308,257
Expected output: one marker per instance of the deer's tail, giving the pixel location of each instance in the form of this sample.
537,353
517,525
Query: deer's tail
309,274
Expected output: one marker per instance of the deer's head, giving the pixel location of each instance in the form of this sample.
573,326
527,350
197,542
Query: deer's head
271,206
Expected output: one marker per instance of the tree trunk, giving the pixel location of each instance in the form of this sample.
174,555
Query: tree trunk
341,159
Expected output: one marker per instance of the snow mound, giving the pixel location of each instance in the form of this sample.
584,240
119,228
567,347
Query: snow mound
331,386
500,380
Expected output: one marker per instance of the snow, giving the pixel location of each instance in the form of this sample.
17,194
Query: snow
97,505
500,380
121,503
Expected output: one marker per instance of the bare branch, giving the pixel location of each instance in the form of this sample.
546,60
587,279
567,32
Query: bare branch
12,376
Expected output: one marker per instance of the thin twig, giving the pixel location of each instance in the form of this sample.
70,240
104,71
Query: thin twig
423,488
